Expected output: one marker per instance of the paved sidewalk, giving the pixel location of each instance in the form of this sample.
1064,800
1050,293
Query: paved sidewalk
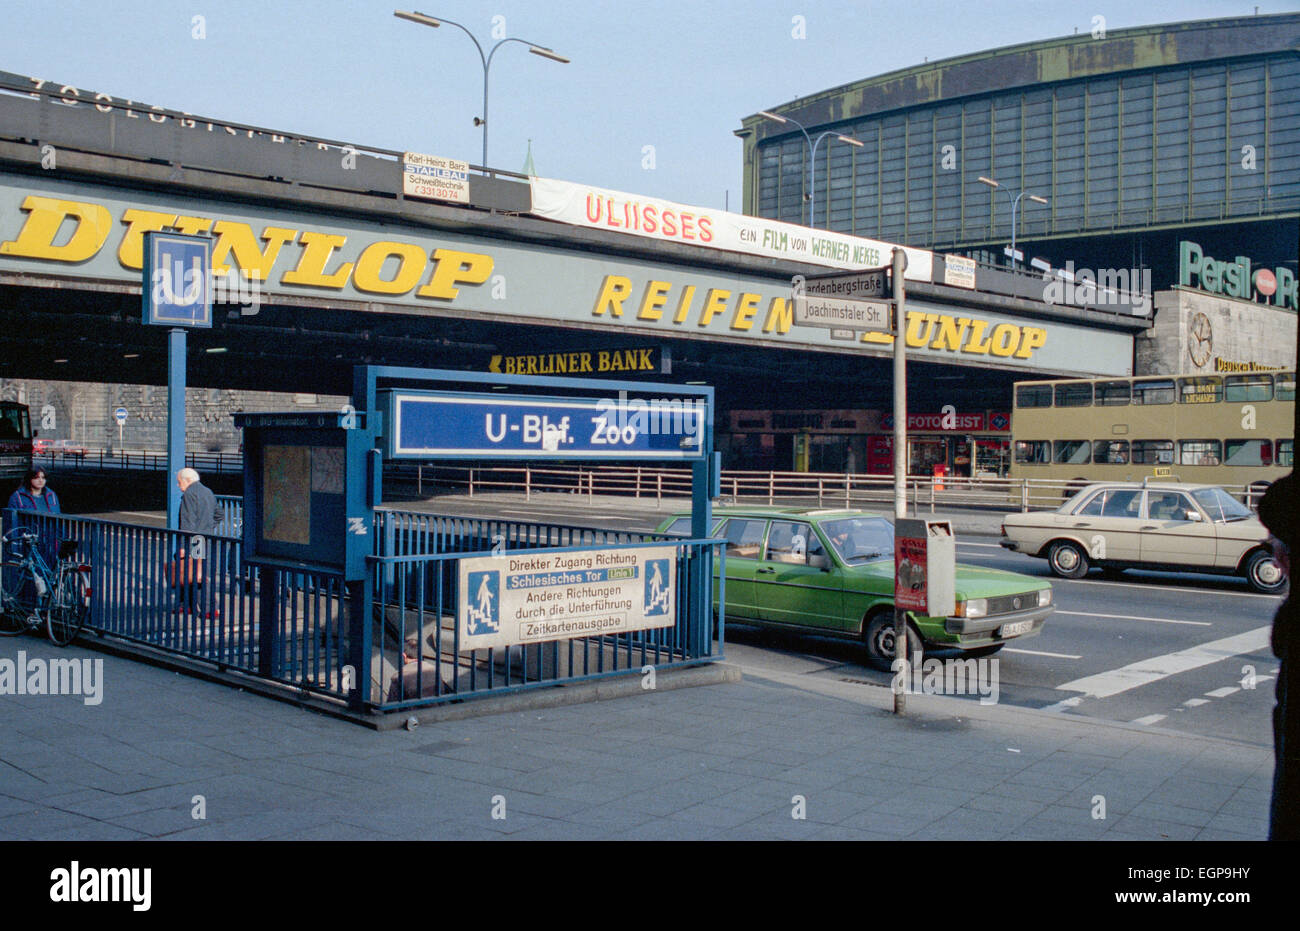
735,761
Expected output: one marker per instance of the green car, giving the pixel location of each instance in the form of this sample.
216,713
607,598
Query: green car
832,571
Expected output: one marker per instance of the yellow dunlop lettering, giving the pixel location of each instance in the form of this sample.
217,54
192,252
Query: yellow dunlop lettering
317,248
45,216
1006,337
746,307
613,292
370,264
455,268
237,239
951,331
653,300
684,305
715,302
1034,338
780,315
130,252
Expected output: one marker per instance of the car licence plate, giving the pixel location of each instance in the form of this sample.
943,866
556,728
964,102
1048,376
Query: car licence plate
1016,628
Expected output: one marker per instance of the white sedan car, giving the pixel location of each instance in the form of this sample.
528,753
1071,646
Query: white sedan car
1171,527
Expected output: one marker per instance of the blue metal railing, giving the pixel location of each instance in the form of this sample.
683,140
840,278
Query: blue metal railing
300,628
419,659
134,598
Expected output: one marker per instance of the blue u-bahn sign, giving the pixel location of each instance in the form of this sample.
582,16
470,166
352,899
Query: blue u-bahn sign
432,424
177,280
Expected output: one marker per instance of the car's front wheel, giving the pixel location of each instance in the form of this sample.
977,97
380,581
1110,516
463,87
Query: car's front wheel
882,649
1067,560
1264,573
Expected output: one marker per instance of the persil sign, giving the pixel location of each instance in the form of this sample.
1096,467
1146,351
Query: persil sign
1235,279
597,208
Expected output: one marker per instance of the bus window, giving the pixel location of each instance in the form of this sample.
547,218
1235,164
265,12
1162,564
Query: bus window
1074,394
1110,452
1248,452
1248,388
1200,390
1153,452
1153,392
1200,452
1033,452
1033,395
1284,389
1073,452
1113,393
1285,452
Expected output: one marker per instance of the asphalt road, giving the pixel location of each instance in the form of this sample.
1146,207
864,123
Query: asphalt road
1182,652
1179,651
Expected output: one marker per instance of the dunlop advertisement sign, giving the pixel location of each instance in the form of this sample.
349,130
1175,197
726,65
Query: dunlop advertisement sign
50,228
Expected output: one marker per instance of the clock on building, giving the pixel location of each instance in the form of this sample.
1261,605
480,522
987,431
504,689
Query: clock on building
1200,340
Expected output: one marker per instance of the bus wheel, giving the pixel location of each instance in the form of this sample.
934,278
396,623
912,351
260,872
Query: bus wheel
1067,560
1264,573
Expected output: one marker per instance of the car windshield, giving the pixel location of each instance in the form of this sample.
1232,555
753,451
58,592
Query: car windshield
859,539
1221,506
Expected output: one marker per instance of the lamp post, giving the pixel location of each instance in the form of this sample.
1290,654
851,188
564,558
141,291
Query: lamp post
541,50
1015,202
812,157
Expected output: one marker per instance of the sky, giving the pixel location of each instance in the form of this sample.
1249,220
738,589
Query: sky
648,104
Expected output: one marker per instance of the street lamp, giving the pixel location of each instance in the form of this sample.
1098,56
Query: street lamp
1015,202
812,157
541,50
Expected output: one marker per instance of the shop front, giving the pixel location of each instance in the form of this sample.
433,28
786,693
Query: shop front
967,445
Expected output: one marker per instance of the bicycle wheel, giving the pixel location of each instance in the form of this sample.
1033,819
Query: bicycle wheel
13,613
68,608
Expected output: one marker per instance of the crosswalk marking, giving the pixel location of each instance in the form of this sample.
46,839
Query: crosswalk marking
1134,617
1196,702
1144,672
1149,719
1224,692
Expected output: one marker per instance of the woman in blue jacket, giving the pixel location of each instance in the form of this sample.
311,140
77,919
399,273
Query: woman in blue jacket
32,495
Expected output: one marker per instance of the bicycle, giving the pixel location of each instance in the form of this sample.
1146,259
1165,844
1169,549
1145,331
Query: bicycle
31,593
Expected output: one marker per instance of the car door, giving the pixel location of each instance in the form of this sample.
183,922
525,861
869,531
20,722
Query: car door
744,536
795,582
1109,524
1171,535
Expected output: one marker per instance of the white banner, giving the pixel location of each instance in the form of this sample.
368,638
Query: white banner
540,596
598,208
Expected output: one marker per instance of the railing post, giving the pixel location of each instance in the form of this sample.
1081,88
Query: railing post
771,488
471,483
659,488
419,480
591,486
931,496
638,481
848,486
528,483
1024,495
819,492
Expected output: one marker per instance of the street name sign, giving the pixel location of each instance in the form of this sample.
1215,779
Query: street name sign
834,313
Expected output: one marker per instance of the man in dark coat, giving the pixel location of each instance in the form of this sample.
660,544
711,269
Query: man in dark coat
199,516
1278,512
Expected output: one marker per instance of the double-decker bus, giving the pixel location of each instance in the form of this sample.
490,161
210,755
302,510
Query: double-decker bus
1231,430
15,444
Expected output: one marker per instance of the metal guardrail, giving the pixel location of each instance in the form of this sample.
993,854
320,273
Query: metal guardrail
826,489
303,643
420,660
142,460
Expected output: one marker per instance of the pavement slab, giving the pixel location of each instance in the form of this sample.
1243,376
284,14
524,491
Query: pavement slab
777,757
